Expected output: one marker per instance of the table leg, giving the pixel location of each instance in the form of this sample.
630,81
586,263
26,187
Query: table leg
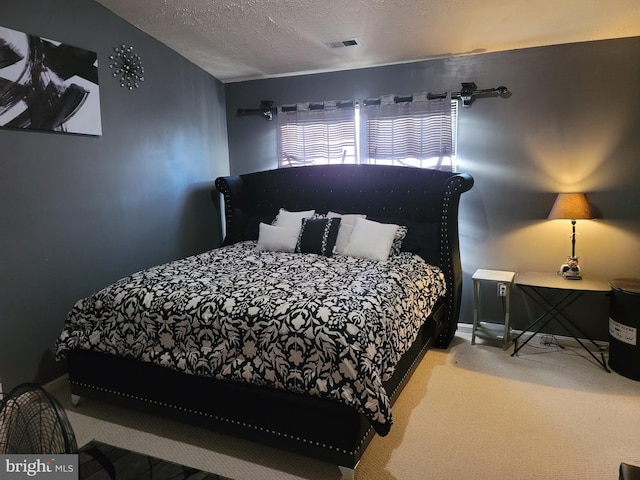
601,361
476,310
545,317
556,312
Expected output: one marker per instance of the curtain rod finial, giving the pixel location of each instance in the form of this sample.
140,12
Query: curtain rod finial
466,93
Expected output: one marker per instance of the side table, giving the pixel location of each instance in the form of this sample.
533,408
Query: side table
536,286
491,330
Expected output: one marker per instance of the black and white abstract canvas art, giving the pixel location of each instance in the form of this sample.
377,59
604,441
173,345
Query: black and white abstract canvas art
48,85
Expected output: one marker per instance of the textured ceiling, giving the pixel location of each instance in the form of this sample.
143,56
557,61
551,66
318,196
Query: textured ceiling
238,40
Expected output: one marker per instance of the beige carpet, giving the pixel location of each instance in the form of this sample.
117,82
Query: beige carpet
471,412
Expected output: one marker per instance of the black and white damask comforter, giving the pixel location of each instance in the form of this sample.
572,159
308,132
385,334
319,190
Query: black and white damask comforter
330,327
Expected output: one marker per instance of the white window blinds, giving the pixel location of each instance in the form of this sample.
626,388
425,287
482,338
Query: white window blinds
412,130
391,130
316,133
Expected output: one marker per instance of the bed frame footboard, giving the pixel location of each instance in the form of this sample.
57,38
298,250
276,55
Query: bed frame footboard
322,429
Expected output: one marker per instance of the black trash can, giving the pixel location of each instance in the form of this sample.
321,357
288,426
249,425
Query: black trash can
624,323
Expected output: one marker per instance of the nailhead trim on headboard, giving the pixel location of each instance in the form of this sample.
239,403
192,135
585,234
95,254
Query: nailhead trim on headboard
445,250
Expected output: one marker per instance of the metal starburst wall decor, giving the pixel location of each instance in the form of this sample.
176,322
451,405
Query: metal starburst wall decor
128,67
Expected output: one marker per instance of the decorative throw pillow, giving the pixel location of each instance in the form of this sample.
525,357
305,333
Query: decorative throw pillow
277,239
371,240
288,219
318,236
347,223
396,246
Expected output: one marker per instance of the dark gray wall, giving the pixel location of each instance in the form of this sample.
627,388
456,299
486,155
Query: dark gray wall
572,123
77,212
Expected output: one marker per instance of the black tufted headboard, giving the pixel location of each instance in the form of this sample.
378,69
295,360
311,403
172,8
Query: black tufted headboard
424,200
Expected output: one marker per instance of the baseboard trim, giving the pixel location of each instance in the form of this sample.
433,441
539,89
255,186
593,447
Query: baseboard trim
545,338
465,328
551,339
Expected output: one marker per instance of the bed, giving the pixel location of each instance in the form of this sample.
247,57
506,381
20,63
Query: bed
289,334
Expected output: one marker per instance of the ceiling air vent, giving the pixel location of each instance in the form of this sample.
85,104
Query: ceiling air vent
349,42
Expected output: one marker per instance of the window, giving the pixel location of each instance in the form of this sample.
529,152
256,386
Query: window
317,133
409,131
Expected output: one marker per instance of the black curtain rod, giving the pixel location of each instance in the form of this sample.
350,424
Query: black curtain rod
267,110
319,106
468,93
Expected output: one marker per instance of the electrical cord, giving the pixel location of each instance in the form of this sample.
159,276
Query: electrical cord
549,340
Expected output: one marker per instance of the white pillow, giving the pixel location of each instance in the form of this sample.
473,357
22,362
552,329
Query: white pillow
347,223
289,219
371,240
277,239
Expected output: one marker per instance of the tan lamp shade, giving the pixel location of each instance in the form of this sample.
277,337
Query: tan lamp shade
571,206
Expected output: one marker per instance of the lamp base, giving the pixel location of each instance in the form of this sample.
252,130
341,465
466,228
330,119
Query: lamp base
571,269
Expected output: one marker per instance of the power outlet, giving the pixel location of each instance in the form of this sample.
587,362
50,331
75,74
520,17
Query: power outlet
502,289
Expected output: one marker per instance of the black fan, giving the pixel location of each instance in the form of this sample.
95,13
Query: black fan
33,422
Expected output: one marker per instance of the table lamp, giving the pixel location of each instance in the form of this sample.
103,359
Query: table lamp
571,206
